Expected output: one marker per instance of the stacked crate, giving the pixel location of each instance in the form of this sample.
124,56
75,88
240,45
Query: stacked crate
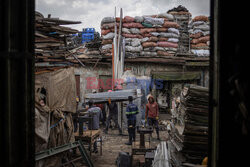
88,34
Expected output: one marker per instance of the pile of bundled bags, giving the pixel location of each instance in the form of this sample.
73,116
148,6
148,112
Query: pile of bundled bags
182,16
200,35
107,34
156,35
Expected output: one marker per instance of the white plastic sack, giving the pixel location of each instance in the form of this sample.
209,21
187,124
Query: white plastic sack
203,27
197,23
166,15
126,30
159,48
168,35
134,30
173,40
110,35
154,21
155,34
107,46
170,49
139,19
174,30
144,53
133,49
145,39
135,42
200,52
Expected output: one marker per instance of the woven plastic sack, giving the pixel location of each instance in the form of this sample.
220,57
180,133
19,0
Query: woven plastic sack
154,21
204,39
159,48
107,46
197,23
107,20
174,30
200,52
110,35
165,15
163,53
125,30
107,41
147,35
168,35
133,49
134,31
200,18
162,39
139,19
147,30
167,44
162,29
171,25
109,25
147,25
149,49
104,32
132,36
144,53
132,25
135,42
153,39
149,44
156,34
145,39
203,27
128,19
195,36
175,40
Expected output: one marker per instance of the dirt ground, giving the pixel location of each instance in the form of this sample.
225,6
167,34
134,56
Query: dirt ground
114,143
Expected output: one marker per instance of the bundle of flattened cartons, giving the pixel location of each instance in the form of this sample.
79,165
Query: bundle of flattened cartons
182,16
200,35
189,134
155,35
53,42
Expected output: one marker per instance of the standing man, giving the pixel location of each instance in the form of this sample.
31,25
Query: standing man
113,114
152,114
96,113
131,112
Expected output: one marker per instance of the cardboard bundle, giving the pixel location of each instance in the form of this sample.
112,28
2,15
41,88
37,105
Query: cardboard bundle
189,133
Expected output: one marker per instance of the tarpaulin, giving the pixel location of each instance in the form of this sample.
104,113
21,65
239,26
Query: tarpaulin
60,89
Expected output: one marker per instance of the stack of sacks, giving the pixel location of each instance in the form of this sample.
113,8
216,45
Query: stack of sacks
107,34
131,33
150,35
182,16
200,36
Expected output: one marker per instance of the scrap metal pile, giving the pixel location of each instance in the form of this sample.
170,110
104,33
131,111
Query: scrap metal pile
200,38
120,95
189,133
145,36
53,42
93,47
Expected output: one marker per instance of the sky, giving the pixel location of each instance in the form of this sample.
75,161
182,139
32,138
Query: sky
91,12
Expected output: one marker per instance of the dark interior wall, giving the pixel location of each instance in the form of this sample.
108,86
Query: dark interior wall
229,43
17,76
